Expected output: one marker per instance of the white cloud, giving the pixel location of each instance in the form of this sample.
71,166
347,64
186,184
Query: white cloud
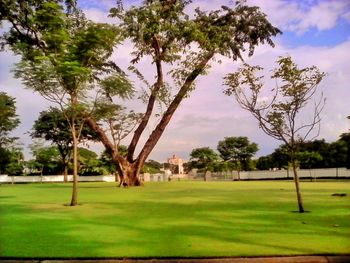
322,16
301,16
99,16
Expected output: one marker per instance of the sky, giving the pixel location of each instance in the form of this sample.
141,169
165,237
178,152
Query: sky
315,32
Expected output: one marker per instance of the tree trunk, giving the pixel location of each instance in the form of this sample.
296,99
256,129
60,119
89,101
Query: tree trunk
65,173
296,181
41,174
74,200
131,174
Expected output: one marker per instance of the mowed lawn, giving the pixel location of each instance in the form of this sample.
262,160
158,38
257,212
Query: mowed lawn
174,219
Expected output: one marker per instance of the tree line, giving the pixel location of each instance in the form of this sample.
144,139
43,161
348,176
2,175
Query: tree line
312,154
237,154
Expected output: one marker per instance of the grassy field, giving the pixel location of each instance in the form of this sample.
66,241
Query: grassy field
176,219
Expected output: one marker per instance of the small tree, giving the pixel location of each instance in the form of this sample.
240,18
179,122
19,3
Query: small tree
15,163
8,119
237,150
47,158
281,118
52,125
203,158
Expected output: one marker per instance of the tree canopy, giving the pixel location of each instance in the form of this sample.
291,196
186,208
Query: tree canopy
203,158
8,118
237,149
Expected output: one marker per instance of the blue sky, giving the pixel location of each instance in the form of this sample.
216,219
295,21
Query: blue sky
315,33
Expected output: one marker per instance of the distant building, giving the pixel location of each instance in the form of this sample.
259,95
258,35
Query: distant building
174,160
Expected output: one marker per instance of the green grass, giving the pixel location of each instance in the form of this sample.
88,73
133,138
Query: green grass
176,219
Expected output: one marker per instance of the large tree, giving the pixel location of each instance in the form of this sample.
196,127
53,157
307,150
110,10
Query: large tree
281,117
63,56
180,48
238,150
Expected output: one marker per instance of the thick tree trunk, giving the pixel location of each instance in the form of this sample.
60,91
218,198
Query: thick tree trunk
131,174
297,187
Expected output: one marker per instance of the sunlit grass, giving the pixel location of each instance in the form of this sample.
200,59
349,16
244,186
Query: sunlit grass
174,219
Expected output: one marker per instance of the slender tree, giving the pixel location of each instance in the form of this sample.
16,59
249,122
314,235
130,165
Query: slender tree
63,56
180,49
281,117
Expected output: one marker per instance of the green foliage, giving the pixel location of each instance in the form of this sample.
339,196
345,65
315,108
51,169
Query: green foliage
163,31
120,122
8,119
307,159
4,159
238,150
47,159
155,164
11,161
264,163
89,164
152,167
15,168
346,138
203,158
52,125
107,163
312,154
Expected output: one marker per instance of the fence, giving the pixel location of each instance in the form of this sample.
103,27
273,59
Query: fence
278,174
53,178
59,178
251,175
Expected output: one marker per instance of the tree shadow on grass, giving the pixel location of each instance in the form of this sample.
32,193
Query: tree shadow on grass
159,225
181,232
26,233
